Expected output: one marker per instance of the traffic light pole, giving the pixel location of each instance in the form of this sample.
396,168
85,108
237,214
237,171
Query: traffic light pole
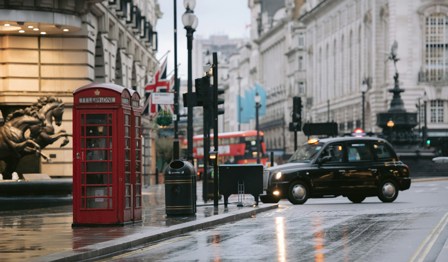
203,84
215,128
295,140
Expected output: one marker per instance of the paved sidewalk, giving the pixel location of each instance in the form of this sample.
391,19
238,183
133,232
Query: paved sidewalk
47,234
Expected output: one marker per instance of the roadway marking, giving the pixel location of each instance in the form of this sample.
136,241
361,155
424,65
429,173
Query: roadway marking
429,241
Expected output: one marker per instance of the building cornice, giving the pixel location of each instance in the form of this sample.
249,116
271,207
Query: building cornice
308,16
276,28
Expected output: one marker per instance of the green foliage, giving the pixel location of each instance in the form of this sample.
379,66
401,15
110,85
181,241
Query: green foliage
164,118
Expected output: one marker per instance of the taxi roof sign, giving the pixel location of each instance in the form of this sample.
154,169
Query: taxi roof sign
358,132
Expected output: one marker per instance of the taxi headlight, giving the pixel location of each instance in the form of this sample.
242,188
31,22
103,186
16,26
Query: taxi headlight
278,175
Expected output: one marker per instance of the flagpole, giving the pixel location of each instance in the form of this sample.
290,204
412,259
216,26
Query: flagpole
163,56
176,90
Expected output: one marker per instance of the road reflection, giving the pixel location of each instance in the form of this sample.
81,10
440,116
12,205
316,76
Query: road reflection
319,240
280,233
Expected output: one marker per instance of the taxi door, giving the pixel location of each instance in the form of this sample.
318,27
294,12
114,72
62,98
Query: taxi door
359,174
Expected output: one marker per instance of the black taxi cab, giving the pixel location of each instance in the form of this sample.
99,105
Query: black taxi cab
352,167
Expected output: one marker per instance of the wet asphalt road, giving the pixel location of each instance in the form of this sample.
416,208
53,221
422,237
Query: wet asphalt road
332,229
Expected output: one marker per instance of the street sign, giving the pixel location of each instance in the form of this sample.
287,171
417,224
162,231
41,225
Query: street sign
163,98
313,129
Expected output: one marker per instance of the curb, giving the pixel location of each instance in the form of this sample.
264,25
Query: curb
151,235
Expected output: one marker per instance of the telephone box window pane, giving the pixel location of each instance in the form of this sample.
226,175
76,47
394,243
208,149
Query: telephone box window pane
126,143
97,119
83,143
98,179
98,197
128,155
94,130
126,119
128,178
97,203
97,167
97,155
102,130
96,142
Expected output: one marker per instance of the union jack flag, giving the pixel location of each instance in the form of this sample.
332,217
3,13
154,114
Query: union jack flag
159,83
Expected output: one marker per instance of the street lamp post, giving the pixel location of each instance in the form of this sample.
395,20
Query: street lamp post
425,120
257,125
364,88
239,101
176,146
190,22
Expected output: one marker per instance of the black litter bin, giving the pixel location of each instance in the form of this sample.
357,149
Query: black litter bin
180,188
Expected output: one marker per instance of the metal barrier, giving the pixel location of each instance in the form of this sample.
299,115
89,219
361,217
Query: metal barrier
240,179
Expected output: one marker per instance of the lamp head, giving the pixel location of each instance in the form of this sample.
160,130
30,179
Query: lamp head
257,98
364,86
190,4
189,20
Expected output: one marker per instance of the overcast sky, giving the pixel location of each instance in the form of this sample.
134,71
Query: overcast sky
215,17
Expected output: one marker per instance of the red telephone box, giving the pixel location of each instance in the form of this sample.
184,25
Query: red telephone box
106,153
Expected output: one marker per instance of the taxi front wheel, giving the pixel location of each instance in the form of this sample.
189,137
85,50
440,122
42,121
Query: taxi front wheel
298,192
388,191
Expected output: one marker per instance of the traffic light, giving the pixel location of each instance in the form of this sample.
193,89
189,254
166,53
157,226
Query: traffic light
203,91
428,142
294,127
220,101
297,109
201,96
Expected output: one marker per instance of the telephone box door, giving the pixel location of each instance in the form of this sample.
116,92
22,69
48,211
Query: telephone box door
95,167
137,157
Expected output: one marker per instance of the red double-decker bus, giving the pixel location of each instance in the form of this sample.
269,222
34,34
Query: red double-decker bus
233,148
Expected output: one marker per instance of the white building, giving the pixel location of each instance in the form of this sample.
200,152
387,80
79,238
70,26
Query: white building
225,47
323,51
349,41
279,67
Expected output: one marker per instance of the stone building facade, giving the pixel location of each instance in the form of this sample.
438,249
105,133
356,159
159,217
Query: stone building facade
50,48
323,51
349,42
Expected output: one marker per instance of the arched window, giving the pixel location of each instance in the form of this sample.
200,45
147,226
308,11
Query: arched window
436,47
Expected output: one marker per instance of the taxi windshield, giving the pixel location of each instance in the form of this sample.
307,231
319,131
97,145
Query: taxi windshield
306,152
